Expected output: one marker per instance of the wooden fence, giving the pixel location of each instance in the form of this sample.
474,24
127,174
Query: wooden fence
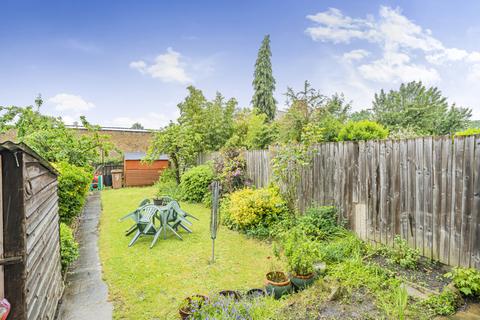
427,190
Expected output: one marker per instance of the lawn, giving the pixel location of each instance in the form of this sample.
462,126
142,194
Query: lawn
151,283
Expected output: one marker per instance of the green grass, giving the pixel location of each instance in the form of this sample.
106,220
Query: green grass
151,283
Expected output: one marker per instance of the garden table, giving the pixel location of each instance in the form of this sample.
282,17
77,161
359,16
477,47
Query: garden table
168,213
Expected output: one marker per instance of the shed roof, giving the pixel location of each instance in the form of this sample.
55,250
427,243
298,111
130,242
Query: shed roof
141,156
11,146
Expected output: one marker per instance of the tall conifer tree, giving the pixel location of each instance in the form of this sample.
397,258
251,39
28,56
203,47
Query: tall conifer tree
263,82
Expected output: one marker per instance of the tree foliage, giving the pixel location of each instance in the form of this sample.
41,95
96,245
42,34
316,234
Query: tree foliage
263,82
362,130
202,126
312,117
252,131
423,109
137,125
51,139
179,143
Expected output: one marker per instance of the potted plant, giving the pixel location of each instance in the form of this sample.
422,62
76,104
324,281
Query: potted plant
301,254
231,294
190,305
277,282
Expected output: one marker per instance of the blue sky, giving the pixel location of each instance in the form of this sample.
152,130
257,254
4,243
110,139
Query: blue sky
118,62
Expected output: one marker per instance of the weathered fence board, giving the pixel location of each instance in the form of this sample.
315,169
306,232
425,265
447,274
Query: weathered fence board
427,190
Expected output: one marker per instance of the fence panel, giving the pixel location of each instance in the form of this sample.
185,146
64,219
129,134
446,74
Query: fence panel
427,190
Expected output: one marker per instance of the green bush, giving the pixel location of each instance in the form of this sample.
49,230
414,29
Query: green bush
402,254
73,184
443,304
466,280
167,184
320,223
468,132
68,246
248,209
341,248
195,183
362,130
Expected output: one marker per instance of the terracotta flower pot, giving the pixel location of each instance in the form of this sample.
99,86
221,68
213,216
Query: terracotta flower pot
277,284
190,303
302,281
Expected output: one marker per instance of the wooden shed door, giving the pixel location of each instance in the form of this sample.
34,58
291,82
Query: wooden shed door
2,279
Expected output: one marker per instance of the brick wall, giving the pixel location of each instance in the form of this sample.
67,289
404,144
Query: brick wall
127,141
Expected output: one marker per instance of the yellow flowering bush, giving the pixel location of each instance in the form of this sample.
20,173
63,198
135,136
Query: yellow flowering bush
247,208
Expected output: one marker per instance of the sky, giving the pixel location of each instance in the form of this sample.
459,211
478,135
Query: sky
120,62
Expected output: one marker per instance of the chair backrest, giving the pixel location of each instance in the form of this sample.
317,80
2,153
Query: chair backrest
147,213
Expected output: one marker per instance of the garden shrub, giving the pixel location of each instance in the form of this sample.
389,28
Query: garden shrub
402,254
468,132
362,130
167,184
231,170
341,248
467,280
73,183
68,246
320,222
443,304
248,208
195,183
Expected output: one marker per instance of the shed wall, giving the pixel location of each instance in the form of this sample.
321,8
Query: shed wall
43,278
141,174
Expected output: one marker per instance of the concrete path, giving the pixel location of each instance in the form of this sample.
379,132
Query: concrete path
85,295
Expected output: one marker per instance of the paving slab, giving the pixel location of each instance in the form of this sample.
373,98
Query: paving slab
86,295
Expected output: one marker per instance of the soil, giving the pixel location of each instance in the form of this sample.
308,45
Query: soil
355,305
428,274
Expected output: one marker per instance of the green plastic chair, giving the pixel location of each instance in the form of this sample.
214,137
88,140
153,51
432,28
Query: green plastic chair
179,210
178,218
146,222
134,215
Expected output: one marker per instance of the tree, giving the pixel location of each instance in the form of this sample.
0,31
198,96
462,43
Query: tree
202,126
137,125
49,137
424,110
251,131
263,82
312,116
360,115
210,121
219,123
38,101
179,143
301,104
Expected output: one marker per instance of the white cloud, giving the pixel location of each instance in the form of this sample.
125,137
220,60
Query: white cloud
407,51
70,102
151,120
168,67
384,71
355,55
474,75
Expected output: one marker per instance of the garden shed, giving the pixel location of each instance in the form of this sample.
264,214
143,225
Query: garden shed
139,173
30,269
